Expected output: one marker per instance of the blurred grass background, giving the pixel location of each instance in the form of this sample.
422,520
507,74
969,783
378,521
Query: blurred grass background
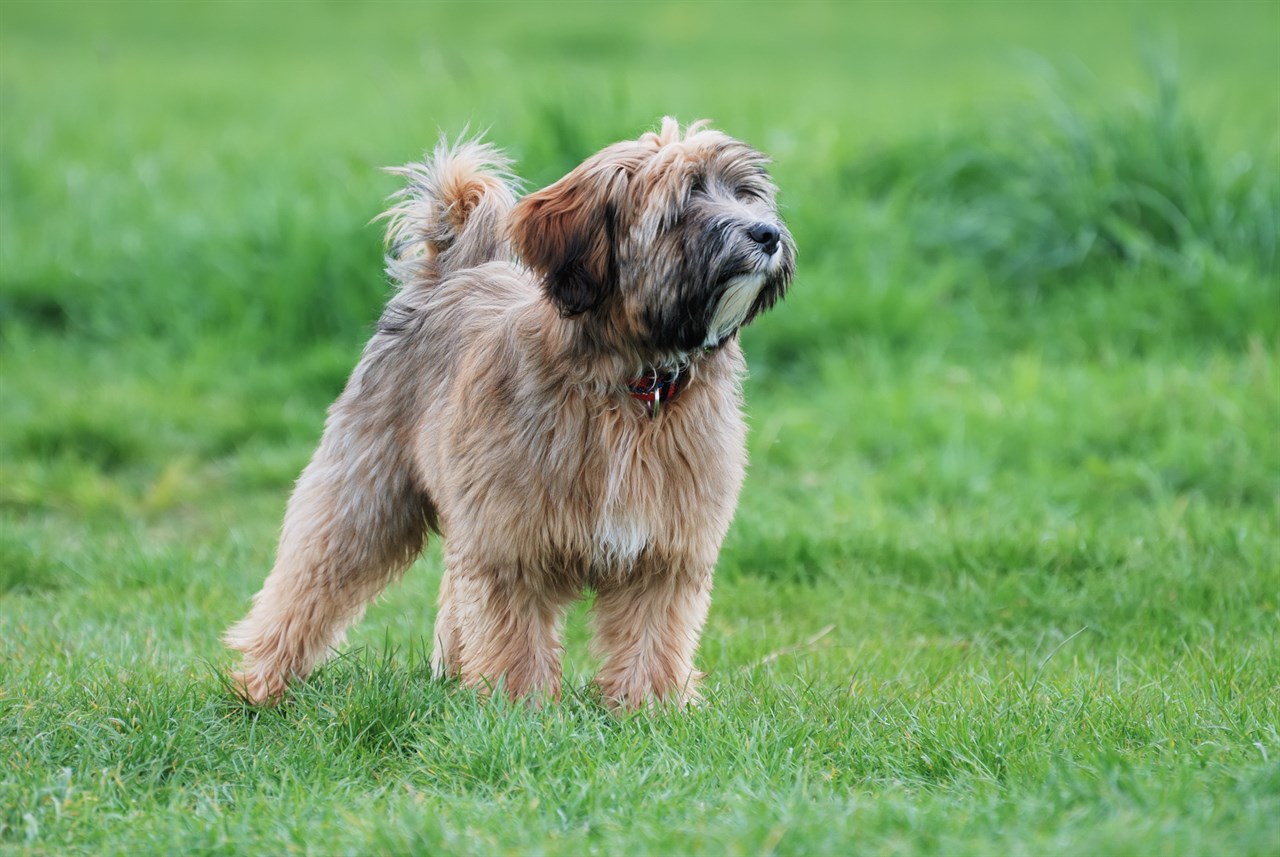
1005,570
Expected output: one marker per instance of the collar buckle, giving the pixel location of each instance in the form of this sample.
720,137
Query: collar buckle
653,388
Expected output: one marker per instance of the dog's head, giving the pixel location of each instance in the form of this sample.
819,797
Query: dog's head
669,243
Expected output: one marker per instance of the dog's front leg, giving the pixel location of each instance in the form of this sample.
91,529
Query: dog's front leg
648,629
499,629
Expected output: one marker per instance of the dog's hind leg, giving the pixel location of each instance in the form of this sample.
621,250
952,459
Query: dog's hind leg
446,656
355,521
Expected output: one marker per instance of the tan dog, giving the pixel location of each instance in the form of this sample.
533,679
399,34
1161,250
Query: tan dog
555,388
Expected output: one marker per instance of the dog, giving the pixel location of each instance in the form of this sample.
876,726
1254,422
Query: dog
555,388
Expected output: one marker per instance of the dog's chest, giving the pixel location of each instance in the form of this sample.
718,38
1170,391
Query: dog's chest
650,502
621,536
631,512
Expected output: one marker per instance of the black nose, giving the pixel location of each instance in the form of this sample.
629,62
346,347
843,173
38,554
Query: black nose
766,235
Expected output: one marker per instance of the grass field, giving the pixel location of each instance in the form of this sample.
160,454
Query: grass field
1006,573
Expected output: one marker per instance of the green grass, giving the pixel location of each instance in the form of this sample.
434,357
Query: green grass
1006,572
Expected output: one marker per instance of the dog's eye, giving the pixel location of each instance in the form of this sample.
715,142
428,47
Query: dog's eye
699,185
747,194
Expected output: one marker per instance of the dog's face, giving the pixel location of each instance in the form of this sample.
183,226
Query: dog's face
664,245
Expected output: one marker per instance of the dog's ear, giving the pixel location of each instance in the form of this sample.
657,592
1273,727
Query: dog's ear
565,232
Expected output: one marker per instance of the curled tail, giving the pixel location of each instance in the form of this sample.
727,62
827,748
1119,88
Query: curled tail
451,213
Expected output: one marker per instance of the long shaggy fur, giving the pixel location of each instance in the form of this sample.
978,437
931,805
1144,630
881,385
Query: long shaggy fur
492,406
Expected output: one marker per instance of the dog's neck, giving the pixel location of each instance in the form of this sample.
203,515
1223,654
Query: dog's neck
656,388
663,383
598,356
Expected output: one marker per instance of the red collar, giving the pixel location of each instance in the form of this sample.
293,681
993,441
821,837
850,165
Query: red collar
655,388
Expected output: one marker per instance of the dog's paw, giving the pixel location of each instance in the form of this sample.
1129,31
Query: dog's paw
653,698
251,686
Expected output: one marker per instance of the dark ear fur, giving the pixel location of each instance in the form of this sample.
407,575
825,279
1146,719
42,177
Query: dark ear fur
566,232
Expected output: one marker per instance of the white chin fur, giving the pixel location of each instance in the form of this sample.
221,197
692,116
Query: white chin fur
734,305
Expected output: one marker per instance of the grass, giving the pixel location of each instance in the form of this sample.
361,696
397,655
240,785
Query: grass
1005,574
1047,197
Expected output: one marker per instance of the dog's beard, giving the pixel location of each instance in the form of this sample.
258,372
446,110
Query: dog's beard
734,305
740,296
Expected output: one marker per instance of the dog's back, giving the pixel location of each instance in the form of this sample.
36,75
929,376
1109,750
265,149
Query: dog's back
448,220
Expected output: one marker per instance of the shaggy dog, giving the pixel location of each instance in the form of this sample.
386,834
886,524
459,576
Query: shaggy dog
555,389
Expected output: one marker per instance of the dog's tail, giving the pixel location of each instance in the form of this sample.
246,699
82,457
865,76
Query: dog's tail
451,213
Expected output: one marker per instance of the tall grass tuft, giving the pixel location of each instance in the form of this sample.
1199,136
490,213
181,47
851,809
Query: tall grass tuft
1068,190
